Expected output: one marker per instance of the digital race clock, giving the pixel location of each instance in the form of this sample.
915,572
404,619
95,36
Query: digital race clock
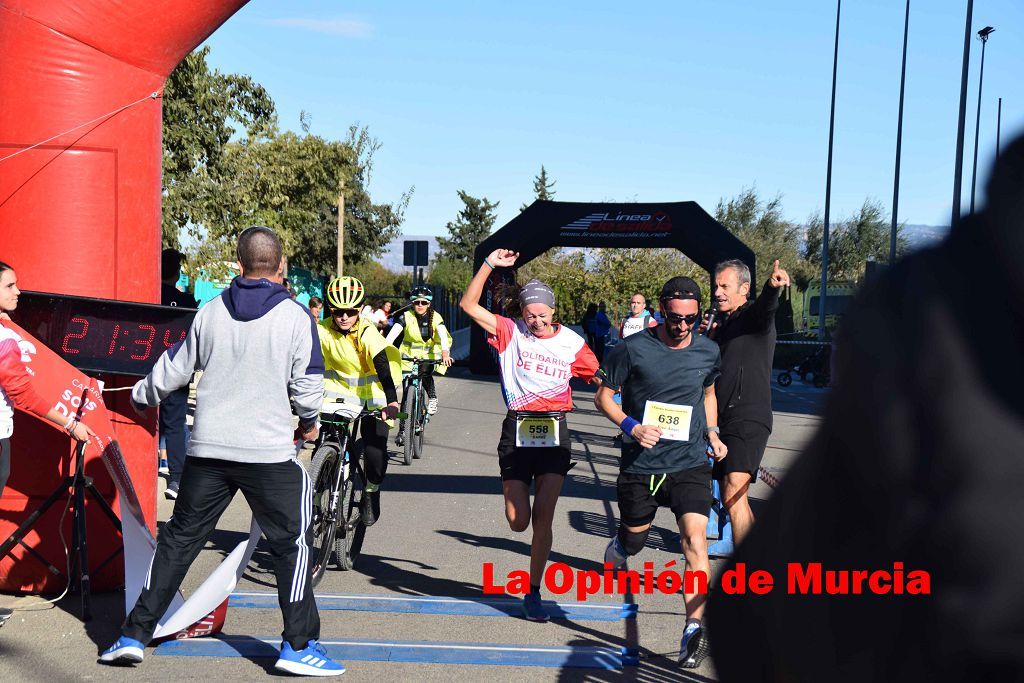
103,335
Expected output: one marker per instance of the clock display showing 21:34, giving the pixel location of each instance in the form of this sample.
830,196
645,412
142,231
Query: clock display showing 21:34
103,335
139,340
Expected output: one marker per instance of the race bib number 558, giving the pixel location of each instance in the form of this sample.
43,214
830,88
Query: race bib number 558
536,432
674,420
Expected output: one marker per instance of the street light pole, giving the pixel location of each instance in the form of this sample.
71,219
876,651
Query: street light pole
999,124
983,35
958,168
341,232
822,295
899,143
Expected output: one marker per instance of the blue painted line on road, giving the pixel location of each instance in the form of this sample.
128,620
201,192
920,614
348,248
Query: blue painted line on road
577,657
416,604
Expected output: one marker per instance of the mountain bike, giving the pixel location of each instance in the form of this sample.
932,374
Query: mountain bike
414,404
338,482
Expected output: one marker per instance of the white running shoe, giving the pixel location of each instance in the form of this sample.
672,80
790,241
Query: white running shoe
432,406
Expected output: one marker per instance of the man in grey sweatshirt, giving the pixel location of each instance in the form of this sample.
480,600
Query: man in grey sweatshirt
259,353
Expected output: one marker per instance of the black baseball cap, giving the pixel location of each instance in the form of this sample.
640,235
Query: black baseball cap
680,287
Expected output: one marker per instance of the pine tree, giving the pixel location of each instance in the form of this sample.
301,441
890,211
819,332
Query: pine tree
473,225
543,188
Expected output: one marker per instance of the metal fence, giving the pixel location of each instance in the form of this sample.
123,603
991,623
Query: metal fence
447,304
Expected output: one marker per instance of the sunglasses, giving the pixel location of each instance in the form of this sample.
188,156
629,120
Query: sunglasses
346,312
676,319
421,303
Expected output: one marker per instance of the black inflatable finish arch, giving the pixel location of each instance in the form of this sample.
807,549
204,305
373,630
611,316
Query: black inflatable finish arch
544,224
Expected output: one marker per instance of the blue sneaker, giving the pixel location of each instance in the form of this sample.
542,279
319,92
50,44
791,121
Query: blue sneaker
533,610
312,661
125,650
693,647
615,553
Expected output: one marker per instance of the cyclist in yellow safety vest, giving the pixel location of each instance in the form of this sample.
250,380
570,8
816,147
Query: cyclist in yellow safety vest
361,368
421,333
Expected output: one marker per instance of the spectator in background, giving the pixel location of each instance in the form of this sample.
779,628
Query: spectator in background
587,323
174,408
602,328
367,311
291,290
382,314
316,307
639,317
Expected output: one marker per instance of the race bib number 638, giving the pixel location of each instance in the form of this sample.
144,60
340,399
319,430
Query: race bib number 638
674,420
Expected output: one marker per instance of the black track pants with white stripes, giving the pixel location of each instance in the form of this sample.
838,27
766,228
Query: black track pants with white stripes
280,495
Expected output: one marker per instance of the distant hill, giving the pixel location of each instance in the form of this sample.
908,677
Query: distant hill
921,236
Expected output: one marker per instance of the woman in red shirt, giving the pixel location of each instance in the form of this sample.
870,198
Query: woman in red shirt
16,383
538,357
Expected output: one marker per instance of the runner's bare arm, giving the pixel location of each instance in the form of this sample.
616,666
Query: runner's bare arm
604,400
711,412
470,302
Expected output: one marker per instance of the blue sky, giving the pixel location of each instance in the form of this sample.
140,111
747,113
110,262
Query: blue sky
653,101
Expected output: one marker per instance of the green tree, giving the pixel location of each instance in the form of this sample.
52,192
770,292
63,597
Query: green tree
226,166
203,110
759,224
862,237
473,225
565,271
378,281
543,187
450,274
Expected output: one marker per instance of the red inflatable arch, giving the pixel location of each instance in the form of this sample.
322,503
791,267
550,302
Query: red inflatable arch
80,123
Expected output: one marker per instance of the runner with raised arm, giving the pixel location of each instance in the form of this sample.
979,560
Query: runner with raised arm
538,357
361,368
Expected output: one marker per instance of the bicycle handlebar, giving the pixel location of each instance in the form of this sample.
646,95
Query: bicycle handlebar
376,412
421,361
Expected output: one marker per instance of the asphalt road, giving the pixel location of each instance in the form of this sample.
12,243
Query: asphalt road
442,519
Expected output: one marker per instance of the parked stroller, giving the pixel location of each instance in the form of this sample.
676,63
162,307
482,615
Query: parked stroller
812,369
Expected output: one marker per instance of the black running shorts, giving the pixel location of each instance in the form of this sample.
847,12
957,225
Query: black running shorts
640,495
524,464
746,442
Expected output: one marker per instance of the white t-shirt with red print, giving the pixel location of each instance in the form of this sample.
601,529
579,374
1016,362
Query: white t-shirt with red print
16,381
535,372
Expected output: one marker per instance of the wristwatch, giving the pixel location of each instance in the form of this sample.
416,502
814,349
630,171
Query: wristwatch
714,429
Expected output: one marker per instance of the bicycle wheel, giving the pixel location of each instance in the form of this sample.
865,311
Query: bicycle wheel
421,424
323,470
410,425
351,532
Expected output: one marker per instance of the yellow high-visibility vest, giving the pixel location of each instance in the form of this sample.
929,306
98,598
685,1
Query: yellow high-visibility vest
415,346
349,373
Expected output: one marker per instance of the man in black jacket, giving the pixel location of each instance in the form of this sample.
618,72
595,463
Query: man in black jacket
746,336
